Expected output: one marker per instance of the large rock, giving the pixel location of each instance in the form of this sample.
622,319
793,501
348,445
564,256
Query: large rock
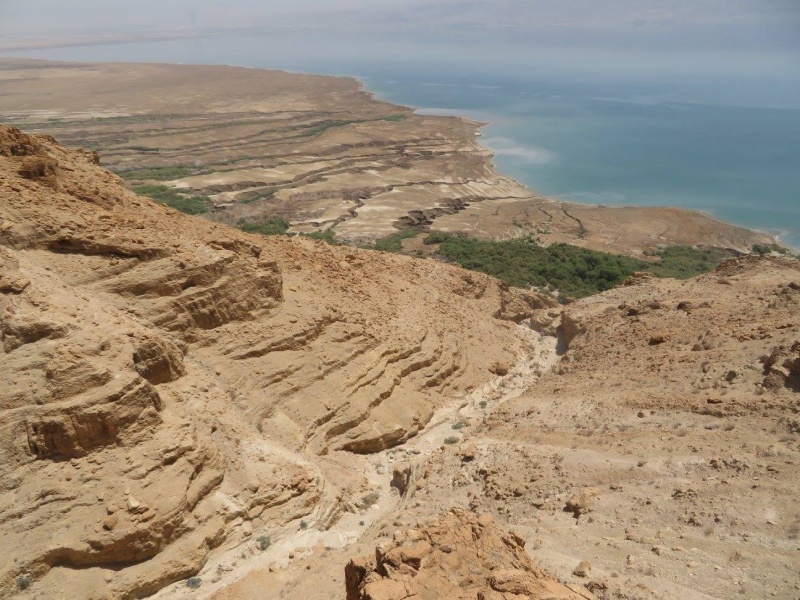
460,556
782,367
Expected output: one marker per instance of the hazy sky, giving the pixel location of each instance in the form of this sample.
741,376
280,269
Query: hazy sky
30,17
732,24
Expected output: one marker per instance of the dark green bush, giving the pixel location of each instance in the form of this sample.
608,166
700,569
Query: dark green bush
264,542
265,226
395,118
435,237
682,262
24,582
576,272
194,583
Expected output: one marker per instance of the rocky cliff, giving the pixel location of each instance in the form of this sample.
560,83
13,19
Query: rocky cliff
180,400
166,381
459,556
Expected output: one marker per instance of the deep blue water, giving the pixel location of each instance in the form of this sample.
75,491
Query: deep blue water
718,134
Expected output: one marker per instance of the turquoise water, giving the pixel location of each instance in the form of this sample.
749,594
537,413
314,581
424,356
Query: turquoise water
718,134
620,144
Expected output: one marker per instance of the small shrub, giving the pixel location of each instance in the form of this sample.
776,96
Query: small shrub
37,167
361,523
303,525
483,404
264,542
451,440
460,425
24,582
369,499
194,583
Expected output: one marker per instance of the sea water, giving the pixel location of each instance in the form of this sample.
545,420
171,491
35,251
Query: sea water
704,132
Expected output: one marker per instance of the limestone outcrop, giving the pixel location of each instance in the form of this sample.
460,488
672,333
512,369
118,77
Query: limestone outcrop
460,556
165,379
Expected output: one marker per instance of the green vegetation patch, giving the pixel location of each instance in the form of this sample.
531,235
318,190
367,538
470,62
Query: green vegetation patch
265,226
683,262
159,173
194,583
435,237
575,272
326,236
264,542
392,242
770,248
191,205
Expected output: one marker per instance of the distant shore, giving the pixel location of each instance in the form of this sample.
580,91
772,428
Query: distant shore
402,169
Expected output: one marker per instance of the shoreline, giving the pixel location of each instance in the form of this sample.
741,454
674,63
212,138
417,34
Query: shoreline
461,133
481,124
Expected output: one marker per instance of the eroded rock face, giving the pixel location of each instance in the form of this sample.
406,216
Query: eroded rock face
164,378
782,368
460,556
517,305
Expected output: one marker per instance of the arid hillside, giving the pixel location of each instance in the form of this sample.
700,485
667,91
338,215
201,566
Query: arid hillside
655,454
168,383
191,411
